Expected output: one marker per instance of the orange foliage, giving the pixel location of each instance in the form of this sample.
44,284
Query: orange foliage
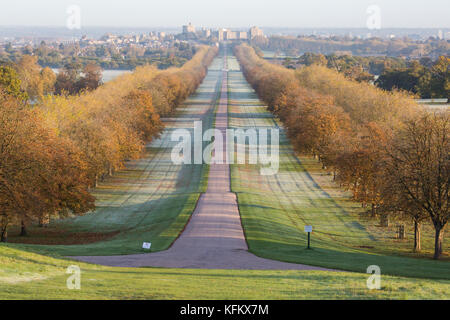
52,153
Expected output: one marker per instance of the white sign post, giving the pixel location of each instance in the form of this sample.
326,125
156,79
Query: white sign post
308,229
146,245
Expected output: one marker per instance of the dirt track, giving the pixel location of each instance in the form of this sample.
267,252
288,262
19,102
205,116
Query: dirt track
213,238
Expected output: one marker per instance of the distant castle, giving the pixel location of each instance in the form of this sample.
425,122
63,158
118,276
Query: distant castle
222,34
188,29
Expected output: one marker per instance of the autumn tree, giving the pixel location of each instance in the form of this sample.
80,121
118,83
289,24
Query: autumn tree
92,78
419,171
40,174
440,79
360,165
35,81
67,79
11,84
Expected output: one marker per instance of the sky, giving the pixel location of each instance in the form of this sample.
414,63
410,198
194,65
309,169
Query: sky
228,13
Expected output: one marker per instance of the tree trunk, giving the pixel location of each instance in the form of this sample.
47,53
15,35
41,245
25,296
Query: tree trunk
4,234
384,220
401,232
96,181
438,239
110,171
23,229
417,235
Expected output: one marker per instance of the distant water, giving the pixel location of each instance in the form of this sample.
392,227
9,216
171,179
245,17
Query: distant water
434,104
108,75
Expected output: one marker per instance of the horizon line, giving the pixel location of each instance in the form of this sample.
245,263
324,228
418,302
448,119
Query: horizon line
212,27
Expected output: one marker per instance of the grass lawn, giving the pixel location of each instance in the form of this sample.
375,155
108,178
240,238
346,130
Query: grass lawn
274,209
26,275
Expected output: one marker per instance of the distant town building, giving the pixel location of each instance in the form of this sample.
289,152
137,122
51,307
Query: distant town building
222,34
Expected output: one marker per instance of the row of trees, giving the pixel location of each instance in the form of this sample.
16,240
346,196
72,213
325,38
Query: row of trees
360,68
399,47
51,153
391,155
344,62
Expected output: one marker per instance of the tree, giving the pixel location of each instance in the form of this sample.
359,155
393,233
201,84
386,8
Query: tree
35,81
311,58
66,81
440,79
40,173
92,78
418,169
145,120
11,84
48,78
395,203
29,73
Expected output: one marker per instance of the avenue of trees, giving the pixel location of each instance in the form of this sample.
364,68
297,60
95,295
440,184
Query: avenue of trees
393,156
54,151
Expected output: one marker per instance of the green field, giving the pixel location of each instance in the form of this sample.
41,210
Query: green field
26,275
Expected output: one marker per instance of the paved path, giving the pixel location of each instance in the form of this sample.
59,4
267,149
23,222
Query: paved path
213,238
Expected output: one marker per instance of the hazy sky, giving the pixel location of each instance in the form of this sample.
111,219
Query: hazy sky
227,13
